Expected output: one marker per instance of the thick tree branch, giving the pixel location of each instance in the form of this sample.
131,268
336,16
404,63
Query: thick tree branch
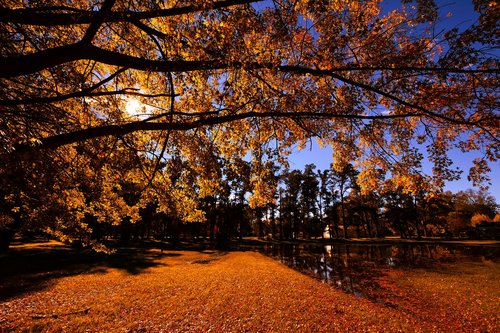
98,21
119,130
31,63
87,92
79,94
36,16
35,62
364,86
306,70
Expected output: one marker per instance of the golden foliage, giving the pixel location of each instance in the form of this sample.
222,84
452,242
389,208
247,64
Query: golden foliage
222,80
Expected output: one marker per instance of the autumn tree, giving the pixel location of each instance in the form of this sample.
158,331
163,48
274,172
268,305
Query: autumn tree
364,213
71,192
308,202
433,211
238,176
344,181
203,79
466,204
290,207
400,213
326,200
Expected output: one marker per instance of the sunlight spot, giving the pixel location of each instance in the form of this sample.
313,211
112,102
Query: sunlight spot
134,107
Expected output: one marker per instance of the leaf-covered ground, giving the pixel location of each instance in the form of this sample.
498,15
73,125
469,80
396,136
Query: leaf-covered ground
207,291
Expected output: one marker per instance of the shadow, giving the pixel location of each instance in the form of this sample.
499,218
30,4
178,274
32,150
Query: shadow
33,265
29,269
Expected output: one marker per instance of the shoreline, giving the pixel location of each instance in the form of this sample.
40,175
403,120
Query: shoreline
373,241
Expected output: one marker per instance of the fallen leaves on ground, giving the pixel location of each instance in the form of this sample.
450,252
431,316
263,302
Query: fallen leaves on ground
191,291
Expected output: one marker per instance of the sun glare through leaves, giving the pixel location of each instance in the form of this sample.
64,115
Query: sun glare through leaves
134,107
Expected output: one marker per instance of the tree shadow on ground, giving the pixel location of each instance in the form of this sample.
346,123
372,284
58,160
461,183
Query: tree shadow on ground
29,269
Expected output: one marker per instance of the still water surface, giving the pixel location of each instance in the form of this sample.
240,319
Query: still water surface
360,269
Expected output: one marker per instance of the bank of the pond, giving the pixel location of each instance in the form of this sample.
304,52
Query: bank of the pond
201,291
374,241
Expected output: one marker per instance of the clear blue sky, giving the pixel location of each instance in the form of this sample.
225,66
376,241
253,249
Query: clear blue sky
463,16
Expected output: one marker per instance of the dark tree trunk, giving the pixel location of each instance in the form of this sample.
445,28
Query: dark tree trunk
281,227
7,233
344,220
259,215
273,222
377,224
6,236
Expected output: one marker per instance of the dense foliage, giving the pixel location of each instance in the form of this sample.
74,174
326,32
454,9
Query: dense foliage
112,107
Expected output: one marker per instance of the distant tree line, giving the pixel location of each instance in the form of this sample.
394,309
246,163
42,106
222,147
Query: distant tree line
308,204
327,203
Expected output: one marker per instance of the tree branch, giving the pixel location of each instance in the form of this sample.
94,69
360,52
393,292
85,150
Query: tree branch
35,16
120,130
98,21
150,31
35,62
52,99
31,63
87,92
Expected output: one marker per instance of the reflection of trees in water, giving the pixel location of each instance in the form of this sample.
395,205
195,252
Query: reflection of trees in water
358,268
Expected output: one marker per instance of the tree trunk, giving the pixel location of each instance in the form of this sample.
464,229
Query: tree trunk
6,236
273,222
344,222
259,215
377,224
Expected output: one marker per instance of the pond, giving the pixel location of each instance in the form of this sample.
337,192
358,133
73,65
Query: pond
361,269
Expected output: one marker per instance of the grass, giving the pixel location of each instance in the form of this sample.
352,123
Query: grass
144,290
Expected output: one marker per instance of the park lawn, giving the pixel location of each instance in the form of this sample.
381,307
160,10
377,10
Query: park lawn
202,291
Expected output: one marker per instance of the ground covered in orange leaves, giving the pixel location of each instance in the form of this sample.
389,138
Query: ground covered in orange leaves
210,291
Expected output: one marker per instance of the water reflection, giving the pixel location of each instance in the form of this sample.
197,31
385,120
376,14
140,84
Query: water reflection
361,269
